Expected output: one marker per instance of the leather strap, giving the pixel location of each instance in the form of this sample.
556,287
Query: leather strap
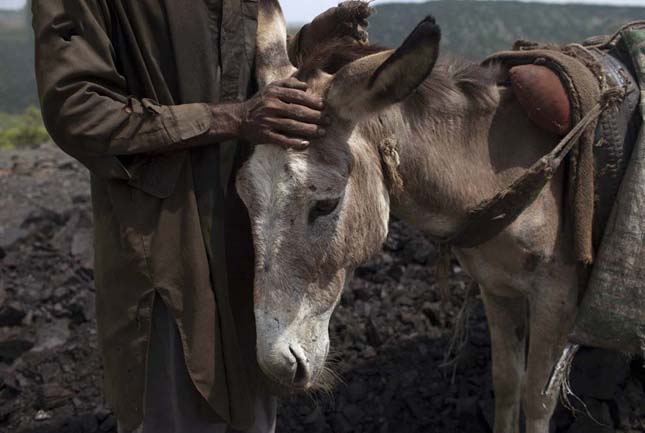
492,216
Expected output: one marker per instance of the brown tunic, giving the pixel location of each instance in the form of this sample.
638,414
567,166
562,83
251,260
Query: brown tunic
123,85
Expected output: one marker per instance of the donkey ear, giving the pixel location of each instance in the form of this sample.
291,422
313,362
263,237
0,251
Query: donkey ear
272,57
372,83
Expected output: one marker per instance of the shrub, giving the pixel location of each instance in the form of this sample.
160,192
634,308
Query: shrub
22,130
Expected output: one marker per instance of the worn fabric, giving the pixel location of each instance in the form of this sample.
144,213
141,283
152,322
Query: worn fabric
616,134
612,314
173,404
584,91
124,87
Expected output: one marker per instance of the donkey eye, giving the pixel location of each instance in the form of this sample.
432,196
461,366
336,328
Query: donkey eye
323,208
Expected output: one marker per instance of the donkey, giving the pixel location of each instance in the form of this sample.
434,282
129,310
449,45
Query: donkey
424,140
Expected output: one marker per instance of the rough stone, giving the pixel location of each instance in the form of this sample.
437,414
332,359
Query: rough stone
598,373
584,424
108,425
356,391
388,335
10,235
52,335
11,314
13,344
340,424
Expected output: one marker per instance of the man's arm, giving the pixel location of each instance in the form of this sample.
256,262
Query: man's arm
89,113
84,100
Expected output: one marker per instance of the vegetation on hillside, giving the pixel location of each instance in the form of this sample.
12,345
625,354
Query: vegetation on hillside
471,29
25,129
474,29
17,80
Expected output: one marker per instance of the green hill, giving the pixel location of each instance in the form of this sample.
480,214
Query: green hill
17,81
471,29
474,29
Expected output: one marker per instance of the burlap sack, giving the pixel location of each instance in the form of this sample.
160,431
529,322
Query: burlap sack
612,314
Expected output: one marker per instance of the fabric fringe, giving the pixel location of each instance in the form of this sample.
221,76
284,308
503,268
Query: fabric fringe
559,379
559,383
583,176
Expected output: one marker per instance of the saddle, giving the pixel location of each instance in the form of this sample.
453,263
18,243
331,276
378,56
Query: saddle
557,86
590,94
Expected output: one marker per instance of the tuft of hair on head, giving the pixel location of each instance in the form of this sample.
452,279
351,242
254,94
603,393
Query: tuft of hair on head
333,55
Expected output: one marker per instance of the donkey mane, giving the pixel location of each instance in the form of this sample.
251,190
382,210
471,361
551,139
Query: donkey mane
450,76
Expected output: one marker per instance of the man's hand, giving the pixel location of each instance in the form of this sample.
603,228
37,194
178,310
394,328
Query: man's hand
282,114
348,20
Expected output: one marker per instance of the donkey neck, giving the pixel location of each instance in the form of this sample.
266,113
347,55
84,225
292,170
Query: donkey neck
453,158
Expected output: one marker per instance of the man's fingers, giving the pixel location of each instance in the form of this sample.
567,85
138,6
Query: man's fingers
293,83
298,112
294,128
293,96
286,142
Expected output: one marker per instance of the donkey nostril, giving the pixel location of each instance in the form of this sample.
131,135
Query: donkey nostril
301,375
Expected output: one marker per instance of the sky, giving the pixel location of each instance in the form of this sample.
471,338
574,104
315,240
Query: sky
299,11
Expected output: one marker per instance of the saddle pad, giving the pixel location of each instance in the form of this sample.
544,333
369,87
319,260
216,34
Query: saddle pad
612,311
583,90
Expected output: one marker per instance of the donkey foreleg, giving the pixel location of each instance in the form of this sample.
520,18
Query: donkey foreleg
508,323
551,315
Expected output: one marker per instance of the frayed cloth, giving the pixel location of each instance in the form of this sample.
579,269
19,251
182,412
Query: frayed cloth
612,313
578,72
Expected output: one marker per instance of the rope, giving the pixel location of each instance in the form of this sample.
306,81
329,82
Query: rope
616,35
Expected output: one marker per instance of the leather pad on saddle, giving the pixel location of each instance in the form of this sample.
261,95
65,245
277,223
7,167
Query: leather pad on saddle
543,96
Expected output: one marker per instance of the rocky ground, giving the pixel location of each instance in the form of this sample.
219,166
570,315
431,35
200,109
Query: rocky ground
390,333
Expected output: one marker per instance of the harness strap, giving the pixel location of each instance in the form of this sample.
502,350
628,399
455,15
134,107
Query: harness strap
614,37
492,216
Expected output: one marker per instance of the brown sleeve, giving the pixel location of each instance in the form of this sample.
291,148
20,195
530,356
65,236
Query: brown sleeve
84,100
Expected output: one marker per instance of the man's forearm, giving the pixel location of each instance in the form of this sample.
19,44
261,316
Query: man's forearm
227,121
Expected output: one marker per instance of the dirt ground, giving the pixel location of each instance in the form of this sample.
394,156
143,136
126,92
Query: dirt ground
389,333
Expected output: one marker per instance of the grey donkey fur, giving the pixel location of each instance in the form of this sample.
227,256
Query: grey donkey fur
459,137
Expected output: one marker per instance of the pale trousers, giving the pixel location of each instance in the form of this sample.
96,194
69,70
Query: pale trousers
173,404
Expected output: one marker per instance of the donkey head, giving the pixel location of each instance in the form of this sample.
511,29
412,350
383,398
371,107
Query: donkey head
318,214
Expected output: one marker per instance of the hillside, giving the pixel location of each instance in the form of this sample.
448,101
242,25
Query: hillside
471,29
17,81
11,20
